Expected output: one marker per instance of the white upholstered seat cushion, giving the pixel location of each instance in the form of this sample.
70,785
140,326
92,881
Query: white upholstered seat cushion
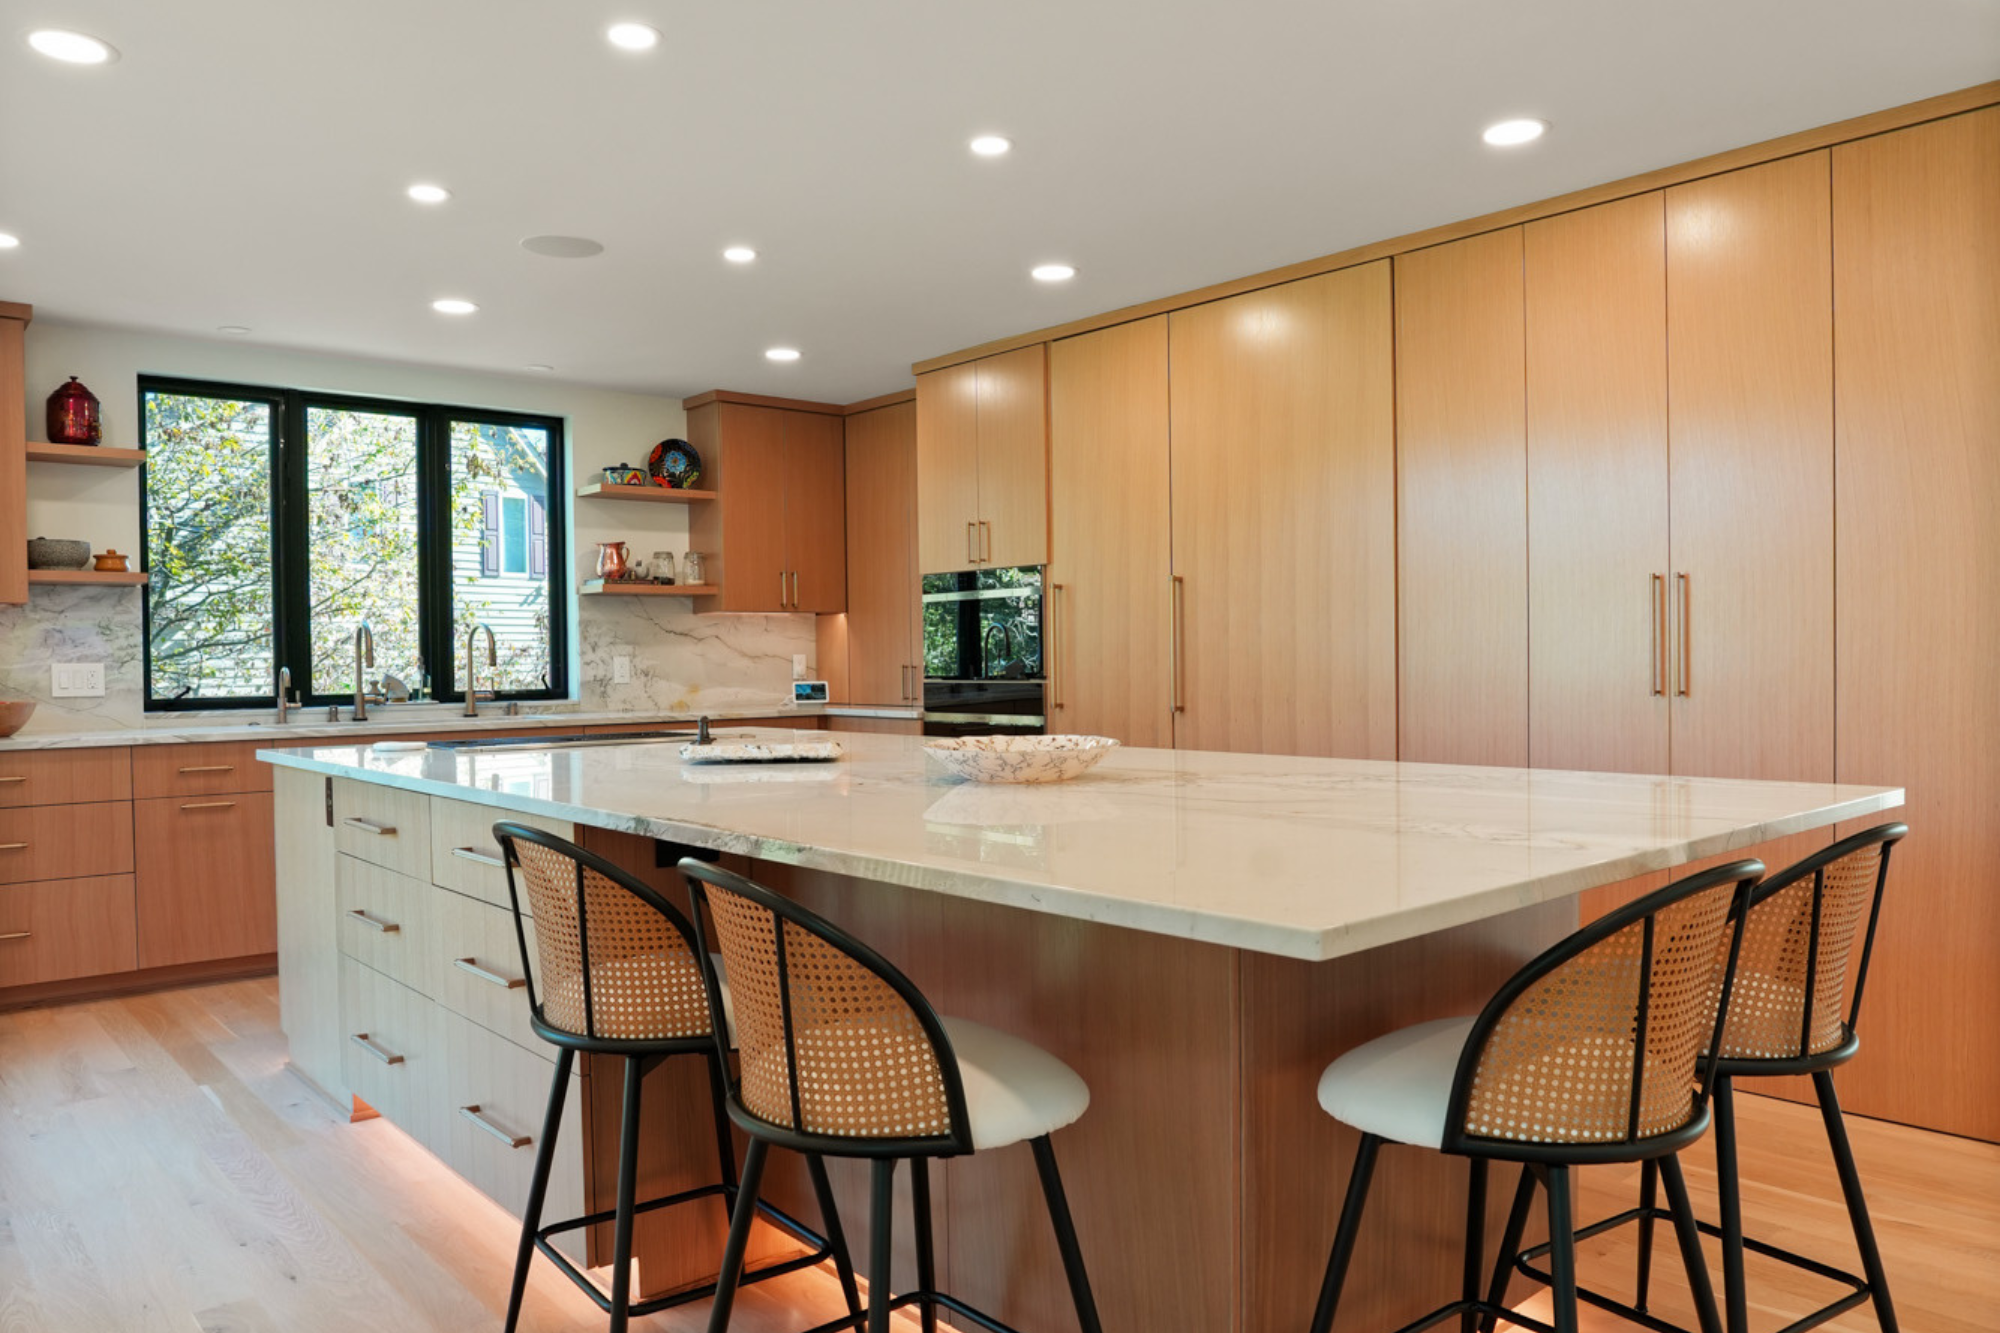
1397,1086
1014,1090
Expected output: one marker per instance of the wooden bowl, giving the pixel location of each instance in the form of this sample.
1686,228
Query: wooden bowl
14,714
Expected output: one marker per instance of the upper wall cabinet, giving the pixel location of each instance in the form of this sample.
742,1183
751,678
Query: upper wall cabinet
884,603
982,463
777,530
13,458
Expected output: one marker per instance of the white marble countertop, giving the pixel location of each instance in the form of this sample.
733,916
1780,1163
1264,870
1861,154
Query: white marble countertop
1303,858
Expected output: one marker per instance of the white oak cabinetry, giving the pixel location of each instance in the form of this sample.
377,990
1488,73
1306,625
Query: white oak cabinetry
13,456
884,607
777,528
982,463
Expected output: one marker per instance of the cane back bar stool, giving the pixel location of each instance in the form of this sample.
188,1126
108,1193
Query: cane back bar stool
1587,1054
841,1055
614,972
1793,1011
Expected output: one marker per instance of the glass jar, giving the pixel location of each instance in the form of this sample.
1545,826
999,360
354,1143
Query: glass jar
694,569
662,567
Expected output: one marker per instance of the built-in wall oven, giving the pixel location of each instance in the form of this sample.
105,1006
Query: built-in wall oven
983,671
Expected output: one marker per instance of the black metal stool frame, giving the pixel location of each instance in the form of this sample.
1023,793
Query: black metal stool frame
640,1058
882,1153
1874,1285
1548,1165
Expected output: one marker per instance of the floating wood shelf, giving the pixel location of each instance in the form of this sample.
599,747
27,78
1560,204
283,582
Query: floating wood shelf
130,579
599,588
90,455
604,490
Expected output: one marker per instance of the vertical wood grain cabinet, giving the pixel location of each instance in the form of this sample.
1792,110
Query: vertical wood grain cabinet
777,530
202,821
982,463
884,608
13,456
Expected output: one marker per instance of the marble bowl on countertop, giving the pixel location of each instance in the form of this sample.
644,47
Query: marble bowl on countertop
14,714
1020,758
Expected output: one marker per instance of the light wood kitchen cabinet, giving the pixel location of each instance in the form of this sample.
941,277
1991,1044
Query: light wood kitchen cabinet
1462,503
206,883
199,769
64,929
1111,525
982,463
1916,277
1284,519
884,603
65,777
13,455
777,530
65,842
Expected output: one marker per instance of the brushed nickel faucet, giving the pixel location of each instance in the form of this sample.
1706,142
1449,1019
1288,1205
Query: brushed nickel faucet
364,645
472,665
284,693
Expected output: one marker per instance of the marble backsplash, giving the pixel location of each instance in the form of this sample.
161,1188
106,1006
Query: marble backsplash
679,660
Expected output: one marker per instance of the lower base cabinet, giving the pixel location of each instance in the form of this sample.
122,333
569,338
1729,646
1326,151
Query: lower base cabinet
61,929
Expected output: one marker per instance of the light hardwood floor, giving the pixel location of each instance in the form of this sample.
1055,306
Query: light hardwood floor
160,1169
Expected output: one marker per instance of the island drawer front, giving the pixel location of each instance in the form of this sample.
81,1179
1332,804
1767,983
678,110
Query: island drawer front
384,826
496,1096
464,855
389,1050
65,841
386,921
477,962
203,769
60,929
65,777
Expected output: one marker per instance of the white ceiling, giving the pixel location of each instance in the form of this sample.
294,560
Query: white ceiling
244,161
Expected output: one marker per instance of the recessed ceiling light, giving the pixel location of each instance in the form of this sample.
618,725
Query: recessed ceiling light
74,47
781,353
739,254
428,194
540,369
563,247
452,305
233,330
1052,272
1508,133
633,36
992,145
8,242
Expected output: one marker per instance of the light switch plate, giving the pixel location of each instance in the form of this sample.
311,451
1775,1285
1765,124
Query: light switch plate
76,680
798,666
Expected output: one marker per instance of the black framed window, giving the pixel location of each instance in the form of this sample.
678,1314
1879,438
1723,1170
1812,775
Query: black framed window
277,521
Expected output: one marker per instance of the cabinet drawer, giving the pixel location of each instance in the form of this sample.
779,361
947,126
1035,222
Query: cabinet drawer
383,826
477,963
464,855
65,777
198,770
65,841
66,928
384,920
208,879
389,1051
489,1122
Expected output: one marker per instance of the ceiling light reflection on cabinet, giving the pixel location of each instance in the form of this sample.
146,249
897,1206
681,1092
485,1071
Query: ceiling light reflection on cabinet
992,145
1052,272
452,305
74,48
1512,133
781,353
633,36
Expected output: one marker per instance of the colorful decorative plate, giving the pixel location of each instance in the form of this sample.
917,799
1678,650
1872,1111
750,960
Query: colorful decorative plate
675,464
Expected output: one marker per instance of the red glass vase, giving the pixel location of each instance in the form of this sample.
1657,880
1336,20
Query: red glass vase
73,417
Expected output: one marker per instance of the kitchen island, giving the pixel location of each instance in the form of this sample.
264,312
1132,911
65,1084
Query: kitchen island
1197,934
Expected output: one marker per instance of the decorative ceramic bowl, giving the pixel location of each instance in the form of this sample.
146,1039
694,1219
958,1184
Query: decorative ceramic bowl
1020,758
57,553
14,714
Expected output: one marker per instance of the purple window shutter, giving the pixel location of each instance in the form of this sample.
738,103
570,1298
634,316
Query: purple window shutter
489,535
538,539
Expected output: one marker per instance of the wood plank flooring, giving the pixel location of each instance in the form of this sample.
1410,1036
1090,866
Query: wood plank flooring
161,1170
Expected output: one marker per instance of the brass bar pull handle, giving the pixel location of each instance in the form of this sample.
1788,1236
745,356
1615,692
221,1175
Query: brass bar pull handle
362,1040
17,777
1659,654
1054,667
1686,656
795,590
473,1114
370,826
209,768
375,923
491,978
18,935
208,805
781,590
13,846
985,542
972,540
478,857
1177,595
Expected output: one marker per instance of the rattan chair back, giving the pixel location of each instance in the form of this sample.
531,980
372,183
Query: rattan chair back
1597,1041
1798,983
838,1052
613,962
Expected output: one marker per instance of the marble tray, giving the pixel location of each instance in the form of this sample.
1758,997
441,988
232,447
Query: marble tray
761,752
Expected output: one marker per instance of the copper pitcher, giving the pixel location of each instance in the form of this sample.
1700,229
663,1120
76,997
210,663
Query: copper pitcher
611,562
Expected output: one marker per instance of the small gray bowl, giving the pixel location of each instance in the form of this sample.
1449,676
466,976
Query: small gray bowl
57,553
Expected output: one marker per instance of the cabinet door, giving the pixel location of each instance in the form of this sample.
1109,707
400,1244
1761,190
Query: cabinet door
207,885
1750,399
1597,488
13,466
882,584
56,930
1014,457
815,516
1462,503
750,472
1284,518
1111,561
948,468
1917,391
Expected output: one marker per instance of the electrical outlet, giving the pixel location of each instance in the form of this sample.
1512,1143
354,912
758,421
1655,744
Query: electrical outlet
621,670
798,666
76,680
